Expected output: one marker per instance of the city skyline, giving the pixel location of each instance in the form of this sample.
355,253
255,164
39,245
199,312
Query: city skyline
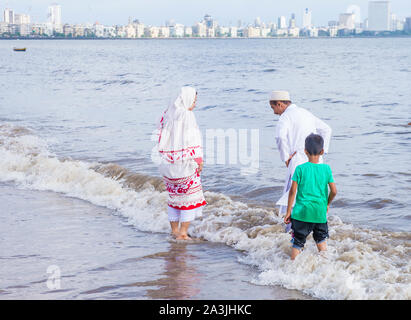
227,12
349,23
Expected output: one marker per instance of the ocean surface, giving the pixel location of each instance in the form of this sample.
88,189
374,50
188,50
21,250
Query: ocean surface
81,192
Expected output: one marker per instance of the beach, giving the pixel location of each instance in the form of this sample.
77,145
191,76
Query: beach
81,192
103,258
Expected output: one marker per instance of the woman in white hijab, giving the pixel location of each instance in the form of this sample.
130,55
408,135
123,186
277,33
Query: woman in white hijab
181,151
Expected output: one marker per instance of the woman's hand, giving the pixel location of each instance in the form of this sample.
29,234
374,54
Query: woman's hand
200,167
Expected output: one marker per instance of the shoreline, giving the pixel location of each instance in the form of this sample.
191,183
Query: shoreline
215,38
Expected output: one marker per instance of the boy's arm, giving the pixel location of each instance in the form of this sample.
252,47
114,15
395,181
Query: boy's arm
333,193
291,197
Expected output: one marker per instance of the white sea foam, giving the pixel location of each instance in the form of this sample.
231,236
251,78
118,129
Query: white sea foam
360,263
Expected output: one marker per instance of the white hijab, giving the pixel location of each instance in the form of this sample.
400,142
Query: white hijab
179,137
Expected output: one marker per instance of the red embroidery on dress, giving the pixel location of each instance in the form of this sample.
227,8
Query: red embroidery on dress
185,193
189,207
173,156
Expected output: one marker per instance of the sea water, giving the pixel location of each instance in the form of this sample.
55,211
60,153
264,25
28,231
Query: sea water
77,131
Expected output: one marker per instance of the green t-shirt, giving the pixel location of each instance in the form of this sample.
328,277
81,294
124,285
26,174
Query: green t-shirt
312,192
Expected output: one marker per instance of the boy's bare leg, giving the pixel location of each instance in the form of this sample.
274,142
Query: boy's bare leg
294,252
322,246
183,231
174,228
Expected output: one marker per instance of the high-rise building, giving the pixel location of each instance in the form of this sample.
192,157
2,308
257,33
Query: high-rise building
21,19
170,23
209,22
356,10
292,23
9,16
252,32
282,23
200,30
140,30
307,19
54,14
347,21
396,24
379,13
177,30
407,24
233,32
54,18
188,32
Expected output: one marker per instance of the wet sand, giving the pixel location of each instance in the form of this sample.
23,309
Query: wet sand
56,247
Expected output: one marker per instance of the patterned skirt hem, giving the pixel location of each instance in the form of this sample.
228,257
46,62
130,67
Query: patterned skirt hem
188,207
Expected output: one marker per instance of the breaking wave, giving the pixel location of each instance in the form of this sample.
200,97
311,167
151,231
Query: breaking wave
359,264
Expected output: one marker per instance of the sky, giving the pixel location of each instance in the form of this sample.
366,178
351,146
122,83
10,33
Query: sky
188,12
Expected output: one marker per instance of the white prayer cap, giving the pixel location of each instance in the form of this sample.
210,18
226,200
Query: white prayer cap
280,96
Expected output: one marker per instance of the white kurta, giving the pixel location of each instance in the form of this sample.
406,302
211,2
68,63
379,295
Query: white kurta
294,125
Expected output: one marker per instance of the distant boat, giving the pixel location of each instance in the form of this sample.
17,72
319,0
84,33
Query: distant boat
19,49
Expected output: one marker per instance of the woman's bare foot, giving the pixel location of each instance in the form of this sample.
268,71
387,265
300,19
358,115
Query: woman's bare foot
183,237
174,229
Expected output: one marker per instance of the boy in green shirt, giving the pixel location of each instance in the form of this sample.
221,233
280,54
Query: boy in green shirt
310,182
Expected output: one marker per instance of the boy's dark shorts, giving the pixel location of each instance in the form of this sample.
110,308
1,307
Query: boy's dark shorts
302,229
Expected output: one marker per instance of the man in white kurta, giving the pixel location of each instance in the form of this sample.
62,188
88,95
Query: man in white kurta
294,125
